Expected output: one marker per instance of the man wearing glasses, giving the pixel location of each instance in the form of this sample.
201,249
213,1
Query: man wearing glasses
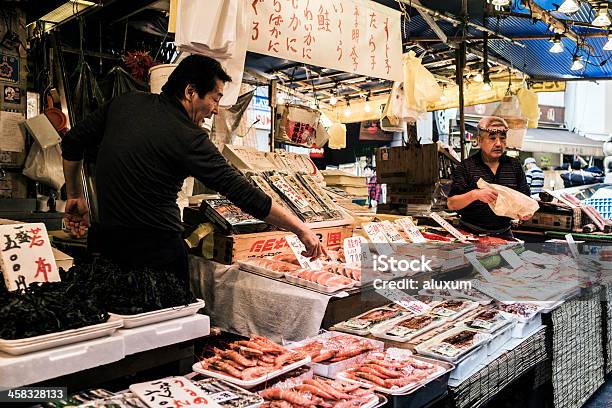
493,165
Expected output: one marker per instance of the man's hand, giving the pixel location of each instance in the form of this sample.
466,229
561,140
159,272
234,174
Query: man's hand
486,195
314,248
525,217
76,216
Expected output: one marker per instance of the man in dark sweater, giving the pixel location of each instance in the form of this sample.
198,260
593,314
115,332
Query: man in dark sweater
492,165
148,144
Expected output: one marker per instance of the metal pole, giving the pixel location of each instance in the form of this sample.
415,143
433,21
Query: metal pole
272,103
460,60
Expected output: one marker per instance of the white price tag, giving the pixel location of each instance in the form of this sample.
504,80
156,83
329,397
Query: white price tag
172,391
297,247
471,256
512,258
355,253
452,230
413,232
393,235
378,238
406,301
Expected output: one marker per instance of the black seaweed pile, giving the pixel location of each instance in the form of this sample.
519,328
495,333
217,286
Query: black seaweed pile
85,296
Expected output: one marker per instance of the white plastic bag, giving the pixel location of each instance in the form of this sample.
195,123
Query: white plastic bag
420,86
510,203
45,165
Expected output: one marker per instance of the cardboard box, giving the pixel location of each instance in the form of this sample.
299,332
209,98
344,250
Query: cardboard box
228,249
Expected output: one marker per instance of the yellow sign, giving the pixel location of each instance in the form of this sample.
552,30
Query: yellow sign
547,86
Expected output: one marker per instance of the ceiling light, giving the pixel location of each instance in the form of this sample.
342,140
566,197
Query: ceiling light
348,111
557,46
608,45
569,7
577,64
486,86
478,77
500,2
64,13
333,100
602,19
367,108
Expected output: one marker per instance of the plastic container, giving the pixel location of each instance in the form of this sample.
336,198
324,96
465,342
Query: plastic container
159,76
141,319
63,338
468,306
313,285
331,370
382,332
250,383
602,205
162,334
249,267
479,340
426,394
42,365
500,338
526,328
468,364
354,326
500,321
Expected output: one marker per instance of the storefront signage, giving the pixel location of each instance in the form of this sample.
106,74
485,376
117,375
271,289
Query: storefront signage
317,153
348,35
547,86
26,255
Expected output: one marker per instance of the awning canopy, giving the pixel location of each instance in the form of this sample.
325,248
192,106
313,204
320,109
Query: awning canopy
561,141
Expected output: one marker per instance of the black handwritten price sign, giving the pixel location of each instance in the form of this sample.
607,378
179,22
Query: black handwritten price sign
172,392
26,255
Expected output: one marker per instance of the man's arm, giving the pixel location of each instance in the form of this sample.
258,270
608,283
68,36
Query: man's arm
460,196
76,214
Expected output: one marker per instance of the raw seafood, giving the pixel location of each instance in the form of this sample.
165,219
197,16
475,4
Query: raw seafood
272,264
250,359
336,348
322,278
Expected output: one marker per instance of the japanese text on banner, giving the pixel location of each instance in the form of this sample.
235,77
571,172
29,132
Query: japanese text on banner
348,35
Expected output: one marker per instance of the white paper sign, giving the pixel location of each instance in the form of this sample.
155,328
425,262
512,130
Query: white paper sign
297,247
348,35
471,256
393,235
355,253
413,232
172,392
26,255
406,301
452,230
572,245
299,201
378,238
512,258
12,136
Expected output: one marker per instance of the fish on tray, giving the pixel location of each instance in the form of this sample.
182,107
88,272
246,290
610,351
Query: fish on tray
336,348
322,277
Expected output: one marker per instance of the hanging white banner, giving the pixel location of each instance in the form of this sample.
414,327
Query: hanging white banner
357,36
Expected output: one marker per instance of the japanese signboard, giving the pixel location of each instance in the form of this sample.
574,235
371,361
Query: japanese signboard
348,35
172,392
26,255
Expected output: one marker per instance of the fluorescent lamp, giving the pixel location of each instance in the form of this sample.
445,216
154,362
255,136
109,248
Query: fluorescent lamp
367,108
577,64
478,77
557,46
569,7
487,86
333,100
500,2
602,19
65,12
348,111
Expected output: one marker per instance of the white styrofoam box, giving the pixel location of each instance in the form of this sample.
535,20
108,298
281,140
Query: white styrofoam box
500,338
469,364
31,368
525,329
162,334
142,319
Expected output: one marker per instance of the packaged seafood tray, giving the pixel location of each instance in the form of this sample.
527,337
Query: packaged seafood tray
426,394
487,321
395,371
320,392
267,267
248,363
321,281
407,328
332,352
141,319
227,394
343,269
453,309
363,324
63,338
453,344
522,312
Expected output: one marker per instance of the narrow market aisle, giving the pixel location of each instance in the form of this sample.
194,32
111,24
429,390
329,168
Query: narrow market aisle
603,397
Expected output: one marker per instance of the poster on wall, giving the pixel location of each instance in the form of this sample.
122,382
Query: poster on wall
9,68
12,94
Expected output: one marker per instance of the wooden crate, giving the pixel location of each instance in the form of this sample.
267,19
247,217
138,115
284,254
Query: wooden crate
415,164
228,249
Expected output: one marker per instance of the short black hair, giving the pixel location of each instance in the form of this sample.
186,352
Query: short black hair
197,70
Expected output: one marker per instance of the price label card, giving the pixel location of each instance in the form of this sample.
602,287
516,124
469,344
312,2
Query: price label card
452,230
355,253
297,247
223,396
413,232
512,258
299,201
26,255
406,301
172,392
471,256
393,235
378,238
572,245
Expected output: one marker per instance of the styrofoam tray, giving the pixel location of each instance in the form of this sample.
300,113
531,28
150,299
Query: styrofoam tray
331,370
468,364
424,348
197,367
522,319
500,338
407,388
247,266
500,323
164,333
381,331
52,340
470,306
313,285
365,331
525,329
16,371
155,316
